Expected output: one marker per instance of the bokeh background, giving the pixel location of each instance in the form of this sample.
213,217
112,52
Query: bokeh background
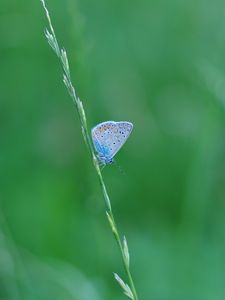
159,64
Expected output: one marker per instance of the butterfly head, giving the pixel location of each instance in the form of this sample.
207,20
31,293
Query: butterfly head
108,161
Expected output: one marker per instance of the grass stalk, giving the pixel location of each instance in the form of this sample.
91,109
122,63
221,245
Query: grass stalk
129,290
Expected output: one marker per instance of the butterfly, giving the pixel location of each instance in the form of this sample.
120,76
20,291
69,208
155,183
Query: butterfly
108,137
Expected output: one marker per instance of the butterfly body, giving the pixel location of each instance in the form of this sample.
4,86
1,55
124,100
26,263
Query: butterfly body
108,137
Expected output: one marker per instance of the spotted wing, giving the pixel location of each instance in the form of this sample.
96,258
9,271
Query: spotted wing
111,136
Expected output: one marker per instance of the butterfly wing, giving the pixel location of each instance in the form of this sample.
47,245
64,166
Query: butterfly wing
109,137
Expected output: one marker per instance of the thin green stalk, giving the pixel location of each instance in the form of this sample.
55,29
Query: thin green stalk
129,290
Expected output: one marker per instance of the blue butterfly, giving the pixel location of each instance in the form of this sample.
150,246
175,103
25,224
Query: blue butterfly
108,137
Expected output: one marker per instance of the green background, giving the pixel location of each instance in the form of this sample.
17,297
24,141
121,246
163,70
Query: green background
159,64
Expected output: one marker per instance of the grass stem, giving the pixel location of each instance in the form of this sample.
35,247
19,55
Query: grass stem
129,290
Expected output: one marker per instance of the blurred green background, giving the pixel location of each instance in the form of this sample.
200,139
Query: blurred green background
159,64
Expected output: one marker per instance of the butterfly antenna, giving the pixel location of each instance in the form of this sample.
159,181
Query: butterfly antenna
121,170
